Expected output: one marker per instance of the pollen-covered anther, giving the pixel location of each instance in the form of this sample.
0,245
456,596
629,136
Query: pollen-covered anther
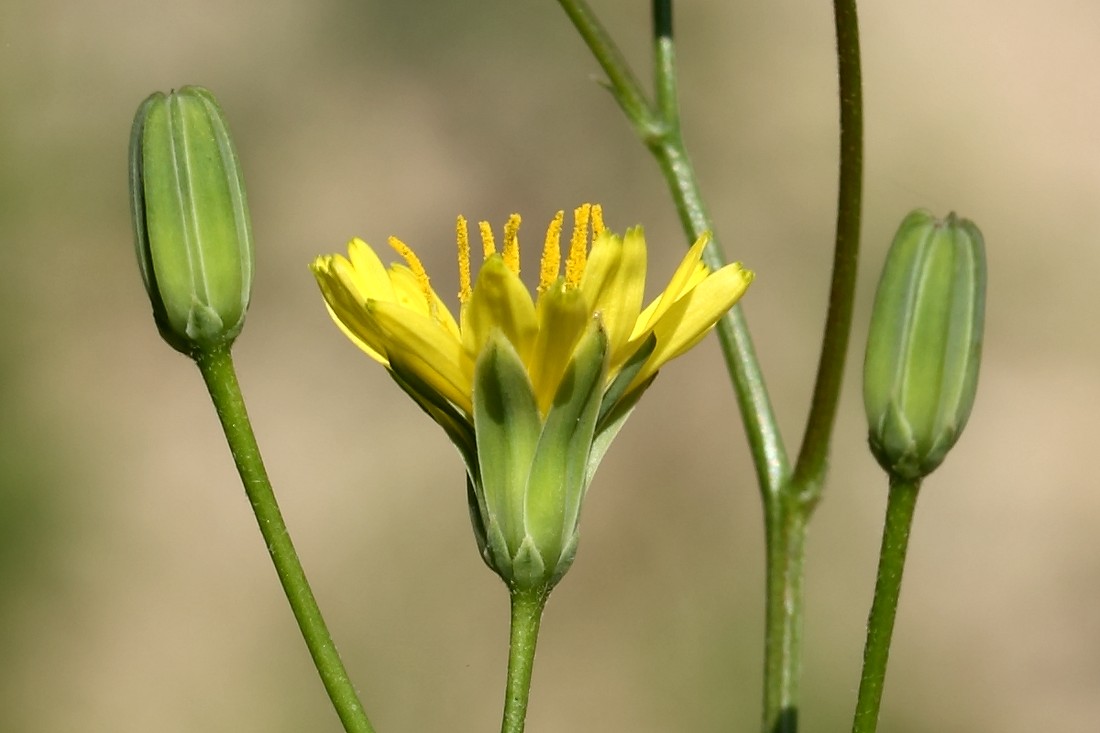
462,236
597,221
511,243
488,246
578,246
551,253
418,270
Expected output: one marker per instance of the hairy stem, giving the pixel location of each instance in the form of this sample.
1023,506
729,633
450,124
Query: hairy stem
880,625
527,609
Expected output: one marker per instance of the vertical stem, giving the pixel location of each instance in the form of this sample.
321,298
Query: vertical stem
809,473
880,625
527,609
785,531
221,380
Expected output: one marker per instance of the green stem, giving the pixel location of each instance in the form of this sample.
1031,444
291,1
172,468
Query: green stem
785,534
221,380
880,625
809,474
659,130
526,616
789,498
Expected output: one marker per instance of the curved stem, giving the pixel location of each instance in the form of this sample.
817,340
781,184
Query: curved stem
809,474
526,617
221,380
880,624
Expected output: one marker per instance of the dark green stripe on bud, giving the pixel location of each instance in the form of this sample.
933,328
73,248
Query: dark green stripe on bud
924,348
191,224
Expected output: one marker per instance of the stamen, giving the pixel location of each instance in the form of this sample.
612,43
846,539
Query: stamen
511,243
488,247
597,221
463,237
418,270
551,253
578,247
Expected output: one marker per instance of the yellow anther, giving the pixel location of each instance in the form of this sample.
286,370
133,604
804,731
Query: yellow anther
551,253
578,246
597,221
511,243
488,247
418,270
463,237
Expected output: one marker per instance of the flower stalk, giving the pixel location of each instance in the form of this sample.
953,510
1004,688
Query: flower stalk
880,625
527,607
217,370
193,239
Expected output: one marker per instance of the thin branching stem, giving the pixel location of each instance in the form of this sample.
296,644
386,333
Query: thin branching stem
788,497
810,468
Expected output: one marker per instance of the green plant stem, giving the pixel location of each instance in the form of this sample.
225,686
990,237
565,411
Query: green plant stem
785,540
788,497
810,468
221,380
659,130
880,625
527,609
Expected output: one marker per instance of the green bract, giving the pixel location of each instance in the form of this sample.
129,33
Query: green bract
924,347
531,473
191,224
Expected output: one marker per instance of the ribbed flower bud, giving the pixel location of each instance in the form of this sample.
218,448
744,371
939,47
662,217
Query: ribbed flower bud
191,224
924,348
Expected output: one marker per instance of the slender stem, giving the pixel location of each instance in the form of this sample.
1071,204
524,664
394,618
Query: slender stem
526,616
788,499
761,426
880,624
785,528
221,380
628,92
809,474
659,130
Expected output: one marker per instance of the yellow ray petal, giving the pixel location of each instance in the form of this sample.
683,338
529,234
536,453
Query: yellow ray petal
371,278
563,316
614,284
409,292
428,349
347,310
688,319
499,301
686,271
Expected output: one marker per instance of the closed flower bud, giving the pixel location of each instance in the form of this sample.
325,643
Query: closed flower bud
924,348
191,224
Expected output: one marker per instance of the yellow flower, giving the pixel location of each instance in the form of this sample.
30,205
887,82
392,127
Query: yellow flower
531,390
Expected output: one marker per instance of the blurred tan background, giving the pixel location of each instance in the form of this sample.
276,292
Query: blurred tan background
135,593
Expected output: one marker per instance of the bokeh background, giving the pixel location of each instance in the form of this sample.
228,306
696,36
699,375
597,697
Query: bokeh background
135,592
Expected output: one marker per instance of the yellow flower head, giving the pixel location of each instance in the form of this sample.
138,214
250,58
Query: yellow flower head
531,390
393,314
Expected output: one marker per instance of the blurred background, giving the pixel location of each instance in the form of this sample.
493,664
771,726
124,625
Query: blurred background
135,591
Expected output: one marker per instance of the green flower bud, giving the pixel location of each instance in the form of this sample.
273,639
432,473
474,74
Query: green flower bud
191,224
924,347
